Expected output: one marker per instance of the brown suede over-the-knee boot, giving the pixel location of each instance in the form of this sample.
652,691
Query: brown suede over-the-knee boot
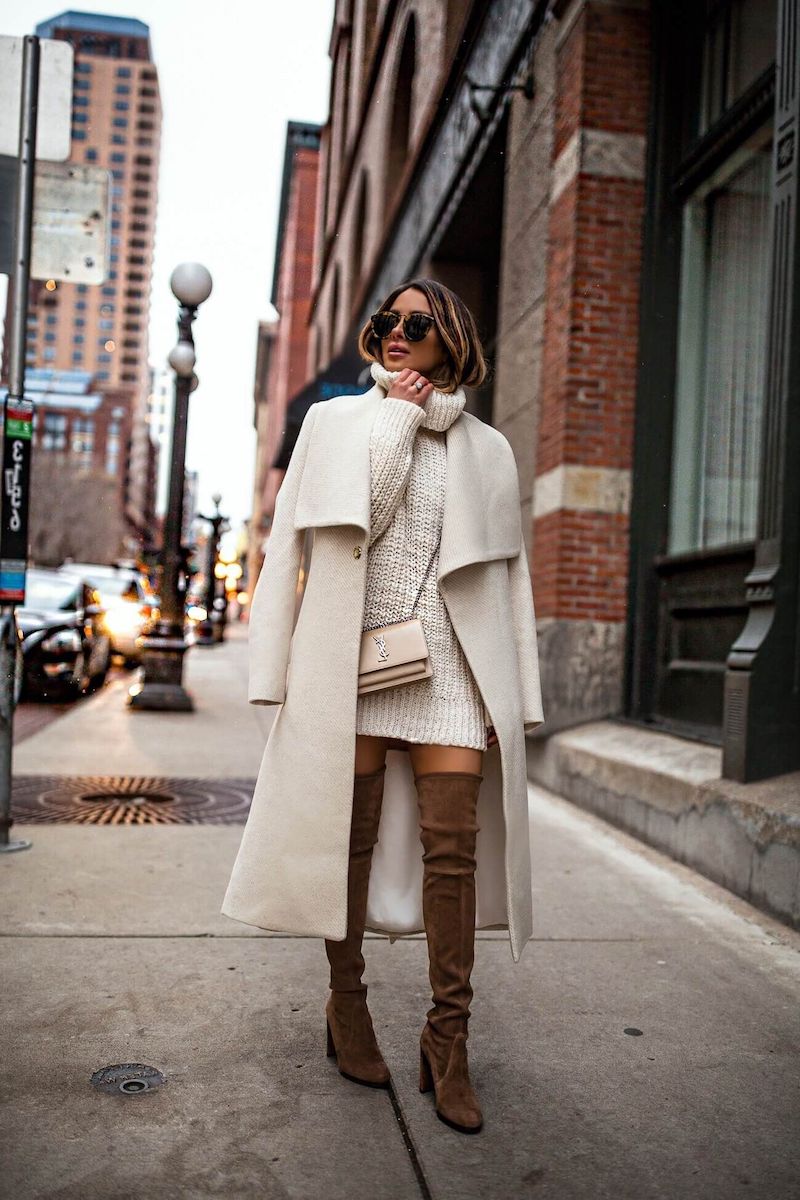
351,1036
448,830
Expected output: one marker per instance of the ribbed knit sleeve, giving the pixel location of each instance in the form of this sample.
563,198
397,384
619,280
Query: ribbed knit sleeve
391,449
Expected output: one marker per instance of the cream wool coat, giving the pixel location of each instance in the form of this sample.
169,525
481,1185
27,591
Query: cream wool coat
290,874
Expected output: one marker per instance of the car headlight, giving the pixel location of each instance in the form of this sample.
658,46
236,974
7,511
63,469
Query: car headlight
62,640
123,619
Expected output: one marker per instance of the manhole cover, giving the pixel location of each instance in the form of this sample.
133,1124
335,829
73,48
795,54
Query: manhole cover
128,1079
115,798
130,800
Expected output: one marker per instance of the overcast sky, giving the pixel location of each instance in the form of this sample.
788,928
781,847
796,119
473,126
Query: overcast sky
231,76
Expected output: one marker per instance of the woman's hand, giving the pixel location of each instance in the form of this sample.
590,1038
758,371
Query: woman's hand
491,737
403,387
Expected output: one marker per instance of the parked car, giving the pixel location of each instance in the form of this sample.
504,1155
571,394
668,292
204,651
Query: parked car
65,644
131,607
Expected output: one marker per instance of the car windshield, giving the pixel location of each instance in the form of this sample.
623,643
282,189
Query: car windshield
115,586
51,592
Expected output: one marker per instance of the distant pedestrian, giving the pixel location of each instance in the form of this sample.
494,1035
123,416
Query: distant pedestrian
388,734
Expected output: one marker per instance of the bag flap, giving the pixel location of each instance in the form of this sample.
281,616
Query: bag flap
401,642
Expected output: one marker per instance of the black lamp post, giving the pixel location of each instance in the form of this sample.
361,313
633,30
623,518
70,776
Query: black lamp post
206,629
160,685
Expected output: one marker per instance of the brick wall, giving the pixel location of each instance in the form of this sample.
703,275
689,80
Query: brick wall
367,154
289,358
585,433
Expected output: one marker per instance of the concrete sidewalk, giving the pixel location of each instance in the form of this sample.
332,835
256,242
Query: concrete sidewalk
645,1046
223,738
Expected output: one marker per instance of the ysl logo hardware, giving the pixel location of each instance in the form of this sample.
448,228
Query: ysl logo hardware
380,641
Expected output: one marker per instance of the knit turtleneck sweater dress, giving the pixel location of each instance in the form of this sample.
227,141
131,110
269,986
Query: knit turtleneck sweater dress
408,469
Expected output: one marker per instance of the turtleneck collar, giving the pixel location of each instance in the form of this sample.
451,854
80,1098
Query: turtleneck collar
441,408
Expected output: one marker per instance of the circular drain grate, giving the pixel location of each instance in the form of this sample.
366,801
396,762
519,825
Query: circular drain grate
114,798
130,800
129,1079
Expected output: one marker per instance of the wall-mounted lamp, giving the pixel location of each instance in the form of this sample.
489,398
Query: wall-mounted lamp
527,88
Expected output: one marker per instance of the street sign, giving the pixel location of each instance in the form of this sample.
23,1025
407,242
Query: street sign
71,224
14,524
53,134
17,409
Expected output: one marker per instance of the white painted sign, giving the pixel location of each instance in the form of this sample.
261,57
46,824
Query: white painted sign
71,223
53,127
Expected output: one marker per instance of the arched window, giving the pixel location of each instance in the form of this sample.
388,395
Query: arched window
369,32
334,313
357,264
401,112
347,51
338,122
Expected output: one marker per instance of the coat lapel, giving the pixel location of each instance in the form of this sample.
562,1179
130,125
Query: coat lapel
334,489
481,502
481,519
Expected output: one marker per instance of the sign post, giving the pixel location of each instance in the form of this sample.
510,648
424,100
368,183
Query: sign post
17,425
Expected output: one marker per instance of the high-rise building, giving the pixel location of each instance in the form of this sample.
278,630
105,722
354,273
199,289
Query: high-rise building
103,329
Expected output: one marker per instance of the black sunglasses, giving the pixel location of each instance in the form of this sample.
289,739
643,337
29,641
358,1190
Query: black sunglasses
416,326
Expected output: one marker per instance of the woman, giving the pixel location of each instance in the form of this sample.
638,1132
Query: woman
408,495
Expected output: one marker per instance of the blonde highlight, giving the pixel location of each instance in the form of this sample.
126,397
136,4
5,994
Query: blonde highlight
465,364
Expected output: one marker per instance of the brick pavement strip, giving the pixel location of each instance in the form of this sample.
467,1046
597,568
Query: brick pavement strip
223,738
32,716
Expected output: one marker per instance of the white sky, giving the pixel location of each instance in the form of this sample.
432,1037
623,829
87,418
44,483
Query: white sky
231,76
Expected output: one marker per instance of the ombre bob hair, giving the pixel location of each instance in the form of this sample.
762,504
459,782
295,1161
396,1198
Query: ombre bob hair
464,359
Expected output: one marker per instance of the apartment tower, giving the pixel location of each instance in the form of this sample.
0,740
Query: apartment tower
102,329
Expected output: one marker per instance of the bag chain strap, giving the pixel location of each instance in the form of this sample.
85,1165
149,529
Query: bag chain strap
424,577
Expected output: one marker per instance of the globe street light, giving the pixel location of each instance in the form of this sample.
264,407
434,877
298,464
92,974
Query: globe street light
160,685
182,359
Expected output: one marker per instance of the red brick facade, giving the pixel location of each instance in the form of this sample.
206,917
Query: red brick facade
282,366
290,356
580,557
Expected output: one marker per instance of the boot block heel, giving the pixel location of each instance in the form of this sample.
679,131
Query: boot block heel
425,1074
331,1047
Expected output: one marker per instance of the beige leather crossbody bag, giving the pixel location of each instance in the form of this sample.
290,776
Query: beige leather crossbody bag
396,653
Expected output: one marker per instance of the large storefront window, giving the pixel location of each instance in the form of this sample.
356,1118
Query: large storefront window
739,44
721,346
707,277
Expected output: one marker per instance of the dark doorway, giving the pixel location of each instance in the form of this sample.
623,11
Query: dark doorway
467,258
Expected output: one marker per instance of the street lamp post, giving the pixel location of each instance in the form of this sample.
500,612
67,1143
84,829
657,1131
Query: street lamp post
160,685
206,628
221,608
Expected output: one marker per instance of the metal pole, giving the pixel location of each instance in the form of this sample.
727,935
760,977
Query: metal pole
161,684
16,505
172,608
222,613
211,560
206,630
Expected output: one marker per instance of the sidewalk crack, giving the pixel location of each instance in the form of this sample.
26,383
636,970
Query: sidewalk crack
424,1189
